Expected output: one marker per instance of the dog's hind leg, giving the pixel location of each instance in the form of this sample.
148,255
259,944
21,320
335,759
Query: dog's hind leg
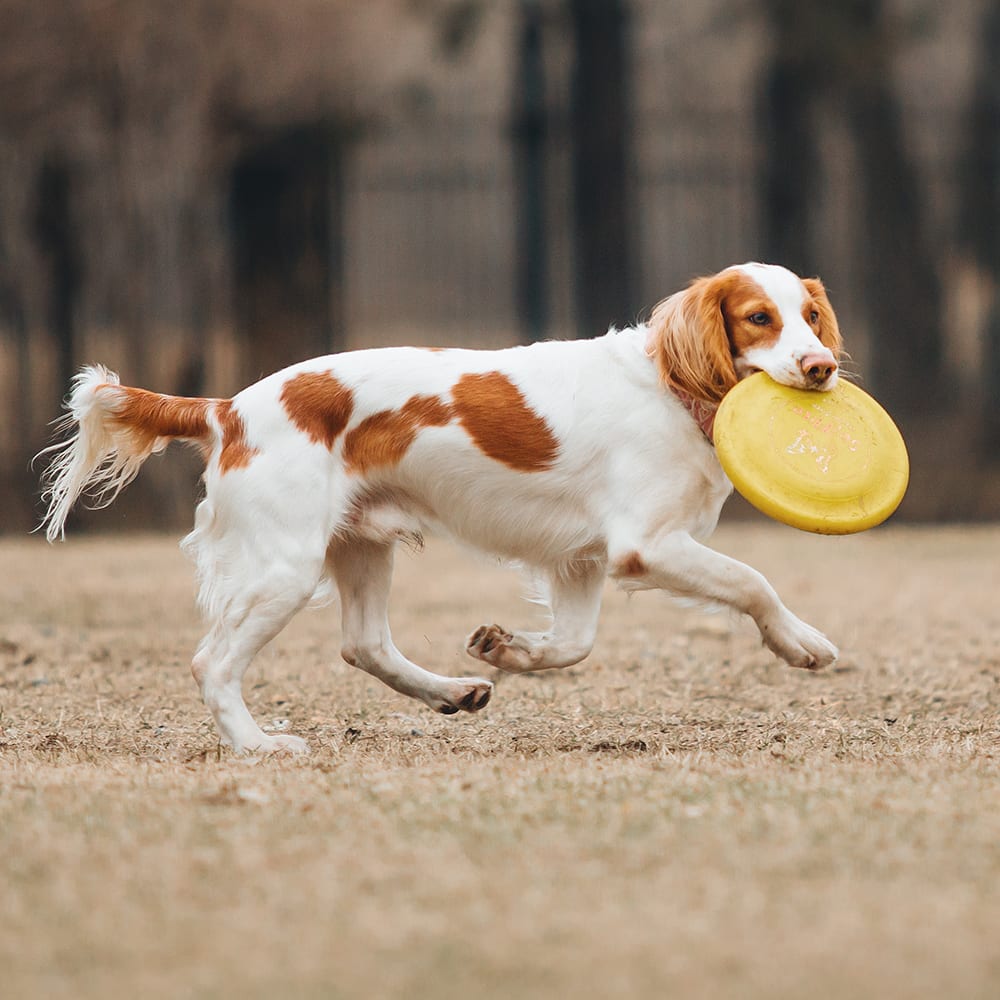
363,571
574,594
223,658
255,617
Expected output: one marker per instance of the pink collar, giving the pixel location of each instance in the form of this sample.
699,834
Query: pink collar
702,412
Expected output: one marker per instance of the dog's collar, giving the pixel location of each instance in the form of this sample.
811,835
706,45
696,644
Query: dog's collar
701,412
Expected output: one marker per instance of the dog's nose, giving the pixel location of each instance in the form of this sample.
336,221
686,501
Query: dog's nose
817,367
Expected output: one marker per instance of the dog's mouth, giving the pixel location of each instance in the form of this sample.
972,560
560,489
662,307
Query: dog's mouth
744,369
792,379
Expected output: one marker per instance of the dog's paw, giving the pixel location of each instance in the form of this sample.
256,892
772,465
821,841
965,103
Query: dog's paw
485,639
799,644
466,694
494,645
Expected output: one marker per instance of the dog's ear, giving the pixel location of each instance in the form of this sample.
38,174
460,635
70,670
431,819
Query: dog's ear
829,329
690,342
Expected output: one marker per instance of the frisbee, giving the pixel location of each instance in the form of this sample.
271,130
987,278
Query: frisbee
829,462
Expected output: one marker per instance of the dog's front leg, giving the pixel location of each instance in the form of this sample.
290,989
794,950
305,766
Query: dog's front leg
363,571
674,561
573,593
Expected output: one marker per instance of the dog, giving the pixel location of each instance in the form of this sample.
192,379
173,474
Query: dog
579,460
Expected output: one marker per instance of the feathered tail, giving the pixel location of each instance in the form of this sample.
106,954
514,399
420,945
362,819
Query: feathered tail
115,428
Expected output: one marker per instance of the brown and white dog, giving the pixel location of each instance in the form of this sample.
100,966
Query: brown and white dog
579,460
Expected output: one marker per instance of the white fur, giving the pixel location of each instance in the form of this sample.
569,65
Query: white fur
635,484
91,458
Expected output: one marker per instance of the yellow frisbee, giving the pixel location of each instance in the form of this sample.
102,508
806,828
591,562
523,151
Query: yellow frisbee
830,462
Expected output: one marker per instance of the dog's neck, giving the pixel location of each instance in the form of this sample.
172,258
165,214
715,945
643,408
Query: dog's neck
702,412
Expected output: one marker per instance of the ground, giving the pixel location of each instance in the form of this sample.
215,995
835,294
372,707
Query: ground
679,815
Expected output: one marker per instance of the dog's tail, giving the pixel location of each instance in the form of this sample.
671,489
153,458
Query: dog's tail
112,430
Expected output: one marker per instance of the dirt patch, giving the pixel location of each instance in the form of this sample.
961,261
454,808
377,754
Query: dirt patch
679,815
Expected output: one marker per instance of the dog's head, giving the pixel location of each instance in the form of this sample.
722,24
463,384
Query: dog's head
752,317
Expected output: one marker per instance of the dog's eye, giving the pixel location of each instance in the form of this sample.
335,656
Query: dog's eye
814,317
759,318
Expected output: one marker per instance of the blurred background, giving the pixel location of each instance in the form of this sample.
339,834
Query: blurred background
201,192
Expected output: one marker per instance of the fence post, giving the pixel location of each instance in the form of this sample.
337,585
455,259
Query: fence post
601,156
284,203
530,123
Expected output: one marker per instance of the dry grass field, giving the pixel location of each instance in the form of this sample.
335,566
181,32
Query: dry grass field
678,816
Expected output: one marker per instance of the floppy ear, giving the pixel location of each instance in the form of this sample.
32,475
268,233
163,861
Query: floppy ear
690,342
829,329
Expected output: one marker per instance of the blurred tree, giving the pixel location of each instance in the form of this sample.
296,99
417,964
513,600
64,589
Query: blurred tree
601,155
56,238
530,129
286,214
979,210
99,91
787,113
843,54
124,124
903,287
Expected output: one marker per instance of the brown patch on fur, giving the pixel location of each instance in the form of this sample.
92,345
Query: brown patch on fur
235,453
152,415
319,405
427,411
743,299
826,327
385,437
496,416
630,565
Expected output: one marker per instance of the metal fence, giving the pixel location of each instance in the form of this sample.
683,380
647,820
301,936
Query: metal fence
429,242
